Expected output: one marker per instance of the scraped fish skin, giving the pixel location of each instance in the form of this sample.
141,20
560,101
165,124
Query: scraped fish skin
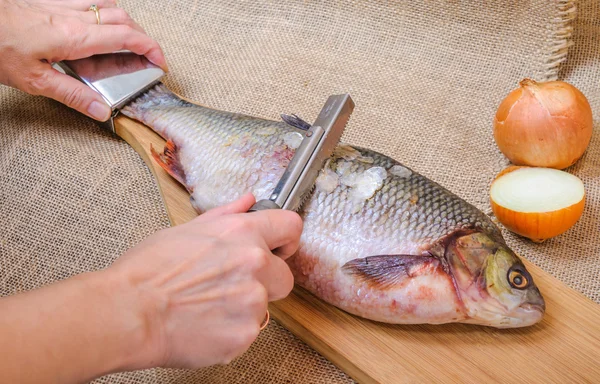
223,153
364,204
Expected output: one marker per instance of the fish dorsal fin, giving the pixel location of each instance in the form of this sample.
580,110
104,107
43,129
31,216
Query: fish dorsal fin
296,122
385,271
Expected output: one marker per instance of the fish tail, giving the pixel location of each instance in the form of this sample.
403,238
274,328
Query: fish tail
144,107
169,161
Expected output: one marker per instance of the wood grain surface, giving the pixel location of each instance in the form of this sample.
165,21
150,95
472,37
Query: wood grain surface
563,348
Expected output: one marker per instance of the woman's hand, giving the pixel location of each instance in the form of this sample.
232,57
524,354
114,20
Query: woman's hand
204,286
36,33
189,296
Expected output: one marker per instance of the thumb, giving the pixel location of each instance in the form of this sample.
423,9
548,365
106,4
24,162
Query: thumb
241,205
74,94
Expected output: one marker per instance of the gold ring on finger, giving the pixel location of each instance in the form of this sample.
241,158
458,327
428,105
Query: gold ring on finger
265,321
94,8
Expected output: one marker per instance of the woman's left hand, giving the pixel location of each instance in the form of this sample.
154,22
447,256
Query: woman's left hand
36,33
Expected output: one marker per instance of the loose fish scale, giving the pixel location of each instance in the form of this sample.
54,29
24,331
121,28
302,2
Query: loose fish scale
225,155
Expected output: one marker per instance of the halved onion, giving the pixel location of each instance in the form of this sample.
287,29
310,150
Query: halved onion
537,203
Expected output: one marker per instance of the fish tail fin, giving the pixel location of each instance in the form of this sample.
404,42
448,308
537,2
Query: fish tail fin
169,161
143,108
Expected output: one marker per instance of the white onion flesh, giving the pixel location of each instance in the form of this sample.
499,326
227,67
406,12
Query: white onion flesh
537,190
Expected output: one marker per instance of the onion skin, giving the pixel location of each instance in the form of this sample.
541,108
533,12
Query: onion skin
537,226
546,124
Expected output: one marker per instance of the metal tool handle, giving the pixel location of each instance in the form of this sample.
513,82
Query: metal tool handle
118,77
288,180
264,204
317,145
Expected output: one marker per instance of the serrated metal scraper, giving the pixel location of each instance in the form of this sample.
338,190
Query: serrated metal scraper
317,146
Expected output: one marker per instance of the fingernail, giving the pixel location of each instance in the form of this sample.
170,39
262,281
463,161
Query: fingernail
99,111
164,66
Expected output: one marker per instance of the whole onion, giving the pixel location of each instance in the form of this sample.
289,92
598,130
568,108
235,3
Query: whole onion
545,124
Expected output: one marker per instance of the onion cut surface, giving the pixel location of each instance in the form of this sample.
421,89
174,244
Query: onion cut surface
537,203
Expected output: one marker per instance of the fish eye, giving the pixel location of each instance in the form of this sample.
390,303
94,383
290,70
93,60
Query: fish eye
517,278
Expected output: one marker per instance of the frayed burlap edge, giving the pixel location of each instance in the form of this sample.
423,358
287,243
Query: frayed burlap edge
560,31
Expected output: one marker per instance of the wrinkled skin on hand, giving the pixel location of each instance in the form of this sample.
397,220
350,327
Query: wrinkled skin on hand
36,33
203,287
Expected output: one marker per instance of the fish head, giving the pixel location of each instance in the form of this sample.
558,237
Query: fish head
492,282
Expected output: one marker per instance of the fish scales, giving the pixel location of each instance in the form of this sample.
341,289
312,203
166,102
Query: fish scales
379,241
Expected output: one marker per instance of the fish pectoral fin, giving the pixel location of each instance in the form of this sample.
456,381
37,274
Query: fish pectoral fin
296,122
386,271
169,161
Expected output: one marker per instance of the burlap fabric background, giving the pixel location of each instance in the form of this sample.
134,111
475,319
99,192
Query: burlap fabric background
426,77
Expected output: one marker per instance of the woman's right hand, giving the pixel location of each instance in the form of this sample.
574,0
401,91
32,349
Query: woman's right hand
202,288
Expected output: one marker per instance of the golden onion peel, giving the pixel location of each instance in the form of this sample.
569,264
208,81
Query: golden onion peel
537,203
543,124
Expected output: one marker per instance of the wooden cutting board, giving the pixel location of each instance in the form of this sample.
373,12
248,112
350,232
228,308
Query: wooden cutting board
563,348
